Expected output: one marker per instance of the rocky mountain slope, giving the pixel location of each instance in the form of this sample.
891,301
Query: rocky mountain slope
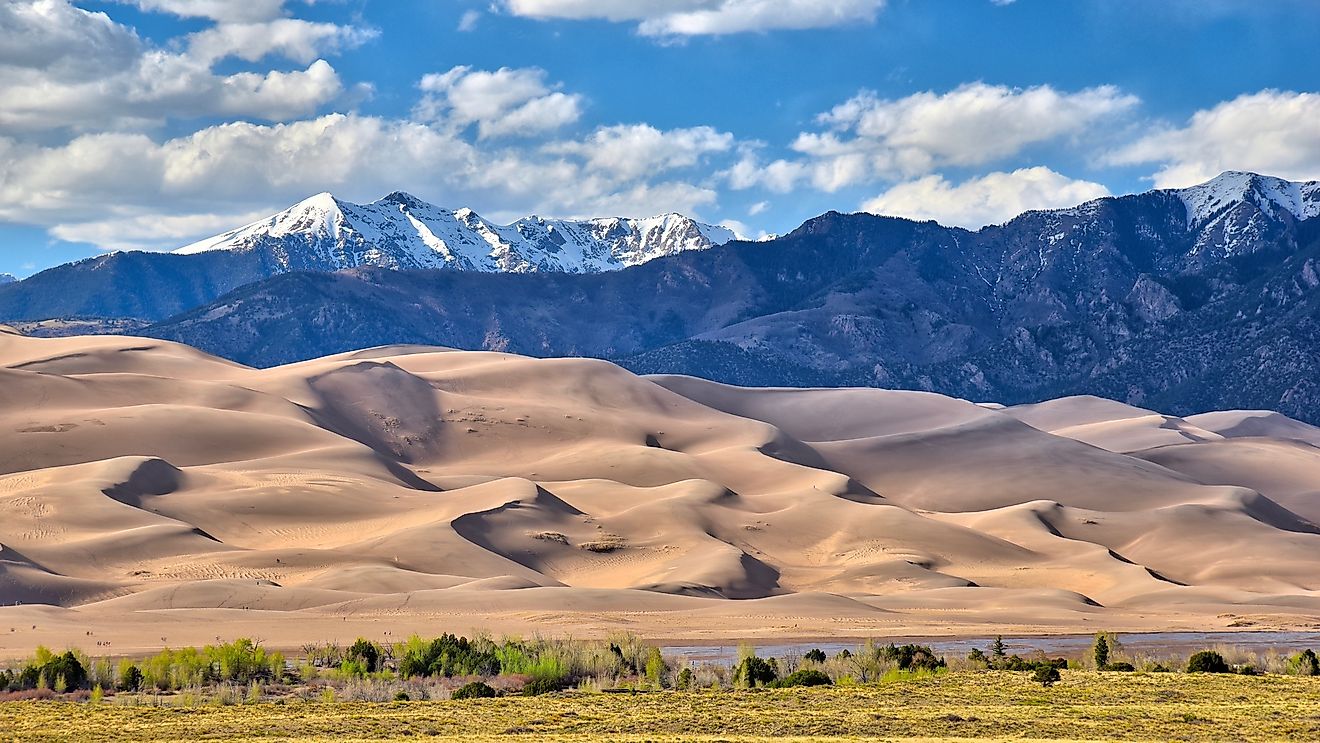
323,233
1187,300
401,231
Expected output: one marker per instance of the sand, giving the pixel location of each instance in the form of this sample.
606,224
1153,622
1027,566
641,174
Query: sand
153,495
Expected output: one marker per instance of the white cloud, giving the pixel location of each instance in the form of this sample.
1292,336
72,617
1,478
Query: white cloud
115,188
975,124
291,38
230,11
868,138
705,17
62,38
634,150
757,208
469,20
128,233
501,103
990,199
1272,132
78,70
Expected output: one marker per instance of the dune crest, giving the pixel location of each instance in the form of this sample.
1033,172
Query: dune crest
143,480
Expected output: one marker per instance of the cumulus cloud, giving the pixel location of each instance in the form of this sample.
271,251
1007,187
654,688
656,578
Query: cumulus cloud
868,138
501,103
231,11
633,150
292,38
1272,132
75,69
469,20
989,199
113,187
705,17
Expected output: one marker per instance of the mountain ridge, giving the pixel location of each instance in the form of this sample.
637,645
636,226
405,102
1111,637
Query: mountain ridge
1143,298
400,231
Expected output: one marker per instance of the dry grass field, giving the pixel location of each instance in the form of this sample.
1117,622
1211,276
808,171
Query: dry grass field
957,705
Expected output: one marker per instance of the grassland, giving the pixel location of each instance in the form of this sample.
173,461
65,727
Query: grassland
960,704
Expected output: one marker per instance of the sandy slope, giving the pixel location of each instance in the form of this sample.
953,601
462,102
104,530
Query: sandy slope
150,495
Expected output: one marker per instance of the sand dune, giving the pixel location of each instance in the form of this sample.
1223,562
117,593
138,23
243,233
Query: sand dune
151,494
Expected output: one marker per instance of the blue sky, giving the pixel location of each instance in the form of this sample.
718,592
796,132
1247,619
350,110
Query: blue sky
146,124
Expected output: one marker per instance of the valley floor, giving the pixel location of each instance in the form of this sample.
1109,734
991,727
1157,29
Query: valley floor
959,705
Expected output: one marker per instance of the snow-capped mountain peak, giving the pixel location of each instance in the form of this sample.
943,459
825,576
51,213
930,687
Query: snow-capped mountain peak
402,231
7,278
1220,195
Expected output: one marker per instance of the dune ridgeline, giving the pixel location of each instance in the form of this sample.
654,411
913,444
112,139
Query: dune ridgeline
151,494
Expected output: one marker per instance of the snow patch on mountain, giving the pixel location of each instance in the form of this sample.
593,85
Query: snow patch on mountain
7,278
1221,195
403,232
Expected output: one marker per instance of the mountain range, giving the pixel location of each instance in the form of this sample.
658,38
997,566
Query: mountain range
1184,300
324,233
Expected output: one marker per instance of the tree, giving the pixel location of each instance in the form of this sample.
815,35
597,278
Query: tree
366,652
1046,675
130,677
997,649
753,671
1100,651
804,677
474,690
656,668
815,655
1207,661
1305,663
686,679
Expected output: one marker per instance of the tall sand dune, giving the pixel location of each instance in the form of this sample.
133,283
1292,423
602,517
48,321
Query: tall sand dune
152,495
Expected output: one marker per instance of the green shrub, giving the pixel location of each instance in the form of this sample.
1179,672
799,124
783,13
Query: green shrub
1304,663
1100,652
686,678
476,690
1120,666
815,655
1046,674
803,677
402,696
447,655
1207,661
978,656
753,671
367,653
62,672
130,677
543,685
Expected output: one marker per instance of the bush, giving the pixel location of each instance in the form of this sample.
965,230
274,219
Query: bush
130,677
753,671
912,657
544,685
1304,663
978,656
366,653
1207,661
1100,651
446,655
59,672
803,677
402,696
815,655
1046,674
1125,667
475,690
686,678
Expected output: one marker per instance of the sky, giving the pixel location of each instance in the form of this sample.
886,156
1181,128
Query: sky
148,124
